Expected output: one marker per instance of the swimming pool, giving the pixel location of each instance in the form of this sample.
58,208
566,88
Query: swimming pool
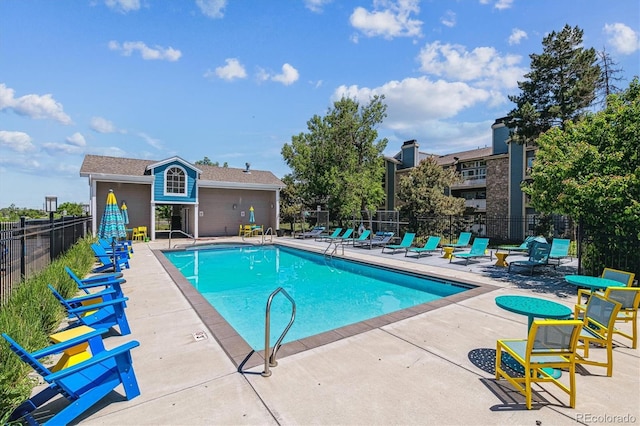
329,293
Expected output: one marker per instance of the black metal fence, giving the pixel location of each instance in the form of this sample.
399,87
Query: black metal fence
29,246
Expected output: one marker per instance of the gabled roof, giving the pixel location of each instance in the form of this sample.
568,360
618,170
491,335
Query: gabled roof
473,154
171,160
134,169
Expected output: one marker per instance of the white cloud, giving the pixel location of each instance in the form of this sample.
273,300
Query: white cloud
53,148
16,141
212,8
156,143
288,76
624,39
233,70
482,65
316,6
102,125
389,19
123,6
503,4
449,19
147,53
76,140
416,100
33,106
516,36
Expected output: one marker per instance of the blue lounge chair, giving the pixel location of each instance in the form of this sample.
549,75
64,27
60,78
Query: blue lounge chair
538,256
378,240
83,384
463,241
524,247
406,242
323,237
430,246
559,251
91,310
315,232
478,249
107,260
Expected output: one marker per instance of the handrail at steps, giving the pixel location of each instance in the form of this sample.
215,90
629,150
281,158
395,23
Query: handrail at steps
268,233
270,360
183,233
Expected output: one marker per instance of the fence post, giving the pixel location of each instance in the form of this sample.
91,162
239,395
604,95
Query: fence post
52,240
23,246
579,246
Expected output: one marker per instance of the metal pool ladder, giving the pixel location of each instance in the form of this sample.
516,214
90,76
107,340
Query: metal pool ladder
270,360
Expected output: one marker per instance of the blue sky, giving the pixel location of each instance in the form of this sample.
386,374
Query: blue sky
234,80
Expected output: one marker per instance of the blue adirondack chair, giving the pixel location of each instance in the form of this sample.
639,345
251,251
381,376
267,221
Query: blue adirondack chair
478,249
103,314
107,281
107,260
83,384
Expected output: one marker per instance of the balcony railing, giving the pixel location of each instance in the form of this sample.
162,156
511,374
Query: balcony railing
480,205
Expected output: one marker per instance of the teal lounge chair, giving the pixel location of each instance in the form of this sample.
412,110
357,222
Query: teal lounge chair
83,384
335,234
478,249
406,242
430,246
104,314
463,241
342,238
559,251
363,237
538,256
379,239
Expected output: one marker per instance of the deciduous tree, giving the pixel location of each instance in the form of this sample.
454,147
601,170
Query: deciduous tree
338,162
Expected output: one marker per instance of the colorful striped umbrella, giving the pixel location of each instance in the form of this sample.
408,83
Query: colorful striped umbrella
125,213
252,218
112,224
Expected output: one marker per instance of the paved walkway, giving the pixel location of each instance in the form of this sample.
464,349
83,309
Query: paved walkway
432,368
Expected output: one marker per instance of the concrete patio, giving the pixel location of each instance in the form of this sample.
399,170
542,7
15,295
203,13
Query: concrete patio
434,367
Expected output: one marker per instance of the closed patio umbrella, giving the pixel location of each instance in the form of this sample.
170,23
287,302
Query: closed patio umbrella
252,218
125,213
112,223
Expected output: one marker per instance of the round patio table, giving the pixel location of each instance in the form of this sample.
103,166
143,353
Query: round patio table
533,307
592,283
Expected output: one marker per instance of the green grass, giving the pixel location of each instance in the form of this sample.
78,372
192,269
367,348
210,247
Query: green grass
30,315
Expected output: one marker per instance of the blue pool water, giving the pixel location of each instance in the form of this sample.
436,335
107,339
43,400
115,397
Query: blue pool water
329,294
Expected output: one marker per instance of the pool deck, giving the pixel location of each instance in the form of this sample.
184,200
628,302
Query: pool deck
432,367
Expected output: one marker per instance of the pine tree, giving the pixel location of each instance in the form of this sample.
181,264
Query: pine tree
561,85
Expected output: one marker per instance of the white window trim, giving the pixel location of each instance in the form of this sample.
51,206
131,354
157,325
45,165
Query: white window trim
186,182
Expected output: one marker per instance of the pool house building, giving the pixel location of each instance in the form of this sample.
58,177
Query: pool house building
205,200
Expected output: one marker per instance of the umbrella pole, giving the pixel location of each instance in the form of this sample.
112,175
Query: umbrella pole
113,253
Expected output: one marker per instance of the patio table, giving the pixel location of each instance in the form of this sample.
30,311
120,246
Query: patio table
592,283
75,354
532,307
502,258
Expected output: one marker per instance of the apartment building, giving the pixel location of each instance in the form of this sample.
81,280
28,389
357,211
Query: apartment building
492,176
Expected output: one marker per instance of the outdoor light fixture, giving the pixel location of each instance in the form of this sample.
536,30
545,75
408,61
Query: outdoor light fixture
235,206
86,208
50,203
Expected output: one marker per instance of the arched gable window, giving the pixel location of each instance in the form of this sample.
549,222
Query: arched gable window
175,181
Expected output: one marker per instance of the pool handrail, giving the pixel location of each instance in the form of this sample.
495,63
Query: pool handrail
270,360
